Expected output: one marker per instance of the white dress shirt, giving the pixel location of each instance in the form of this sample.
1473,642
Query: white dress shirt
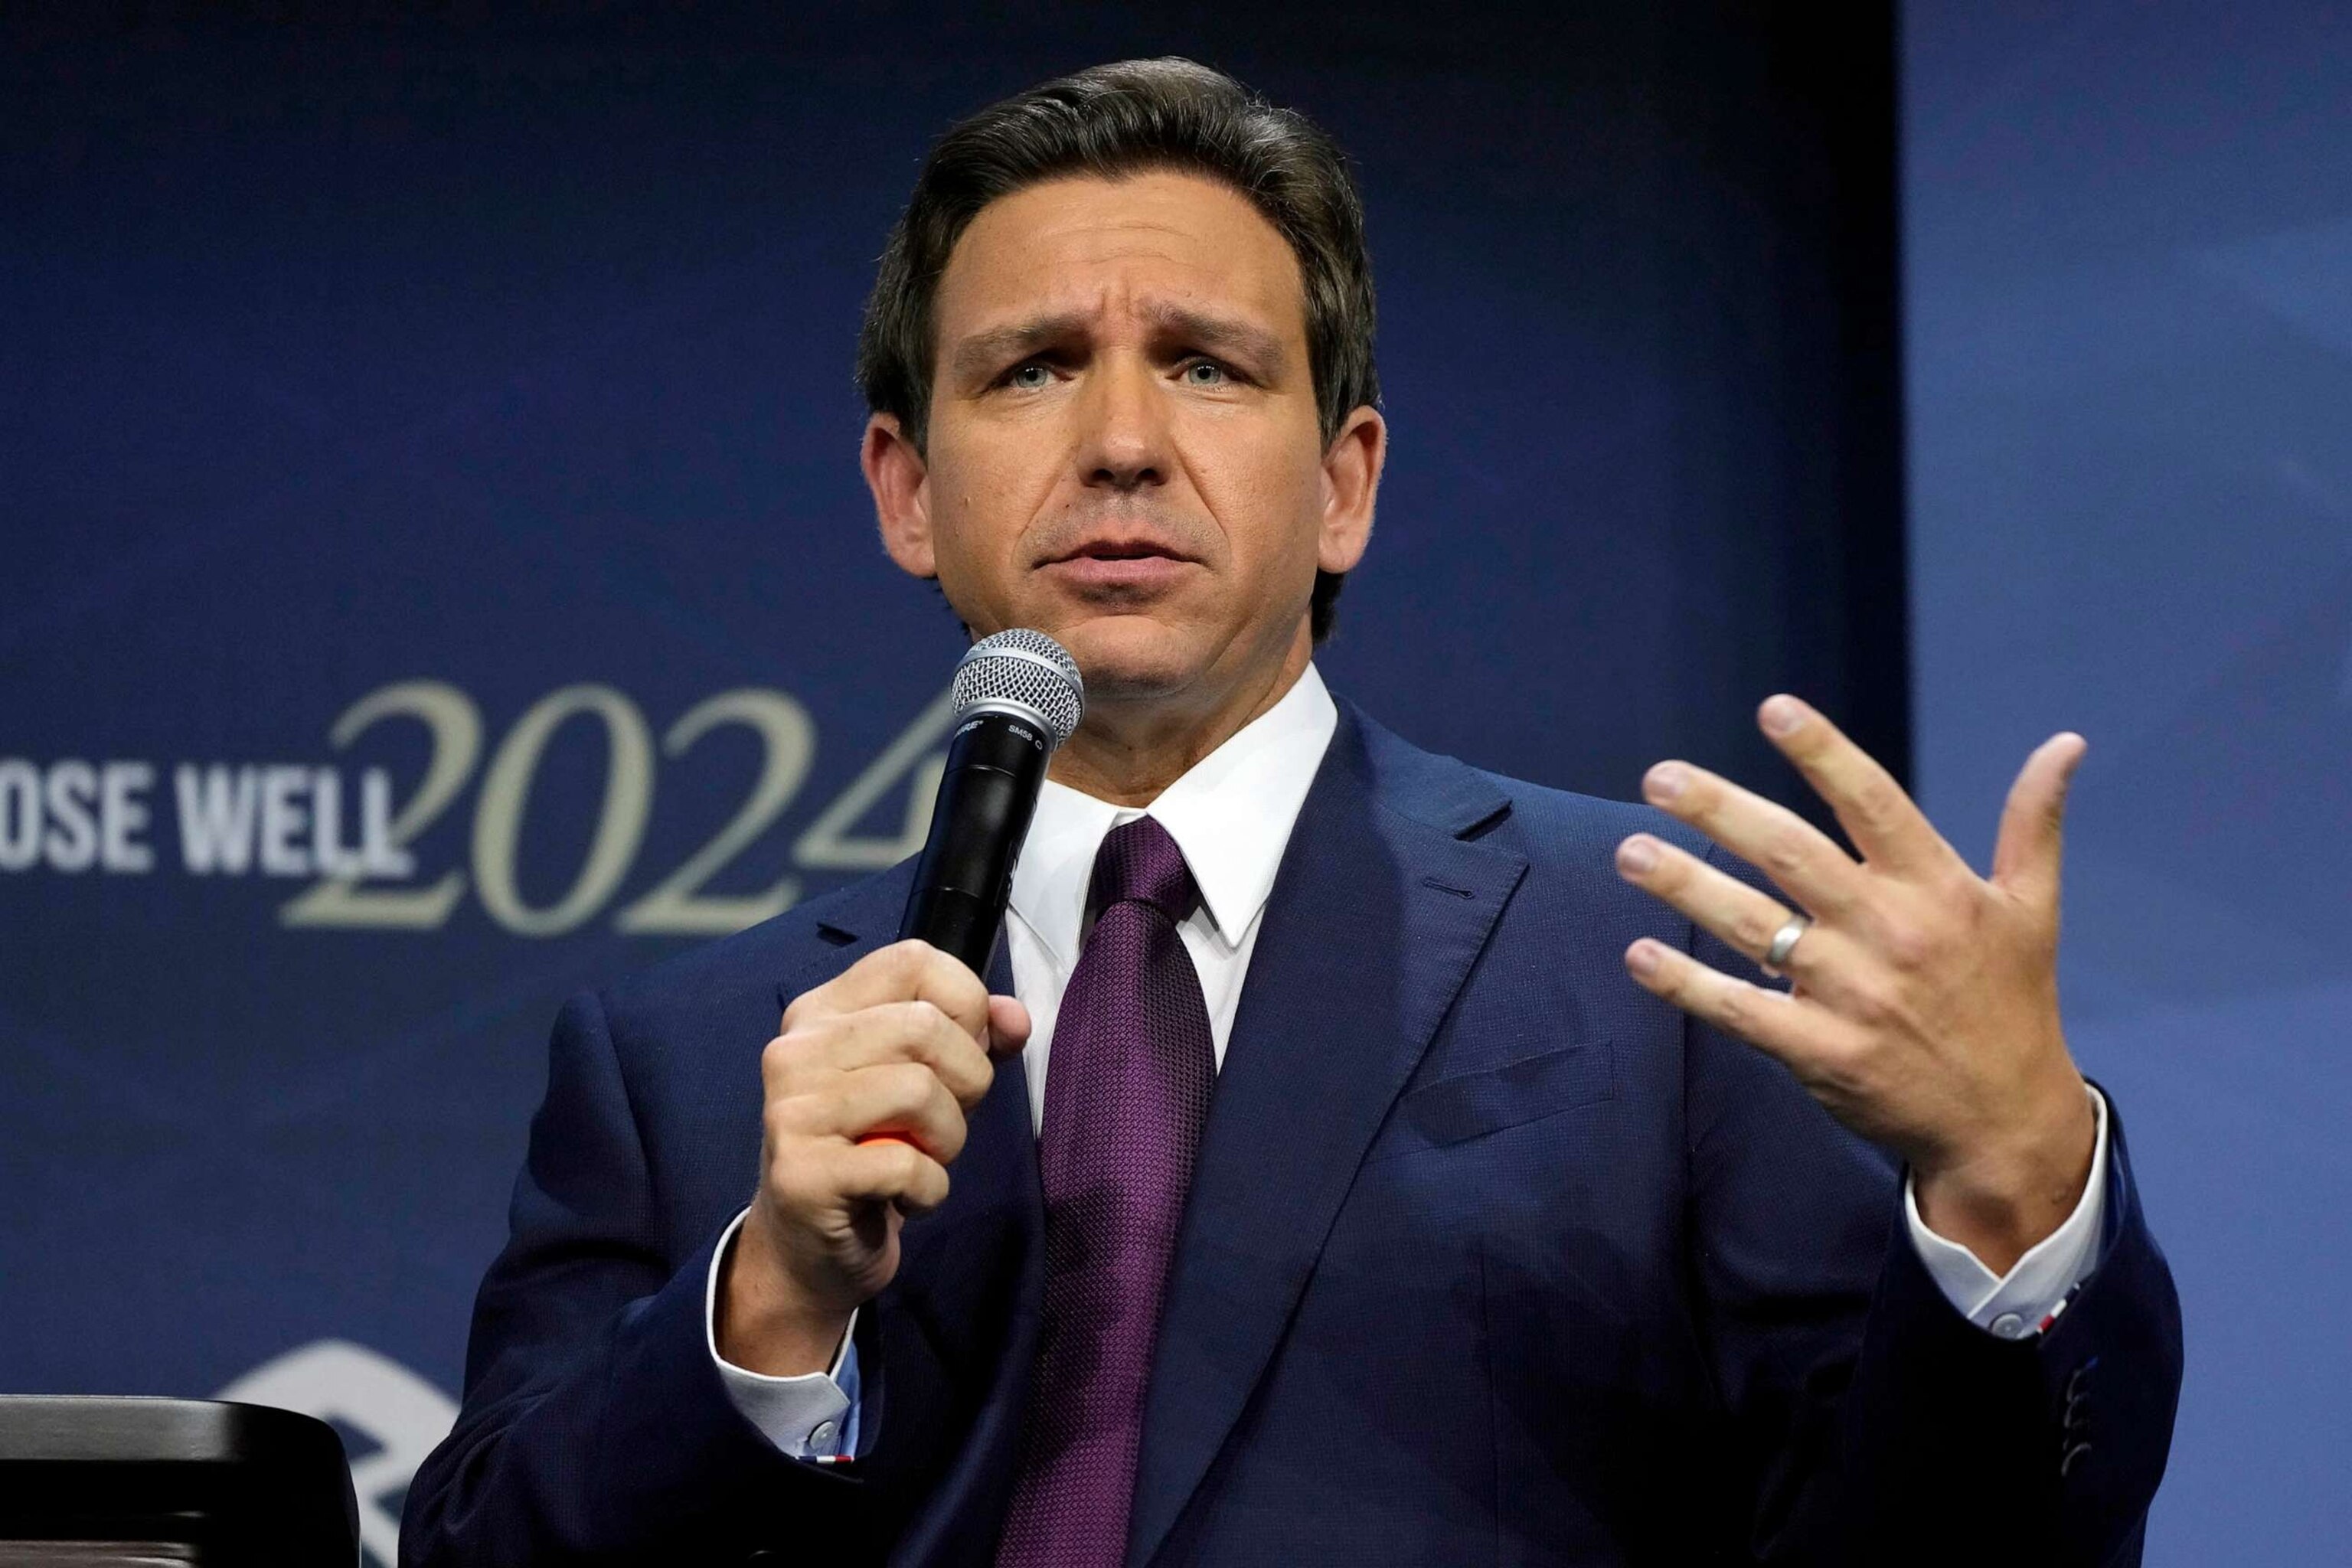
1232,815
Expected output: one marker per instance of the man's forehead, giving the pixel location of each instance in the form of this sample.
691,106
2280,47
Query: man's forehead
1146,246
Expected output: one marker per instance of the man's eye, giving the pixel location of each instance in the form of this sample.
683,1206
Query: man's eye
1205,372
1029,377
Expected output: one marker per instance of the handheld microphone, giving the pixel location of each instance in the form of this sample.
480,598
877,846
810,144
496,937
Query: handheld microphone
1017,697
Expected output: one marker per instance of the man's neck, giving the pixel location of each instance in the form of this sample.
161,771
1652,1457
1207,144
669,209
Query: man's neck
1128,752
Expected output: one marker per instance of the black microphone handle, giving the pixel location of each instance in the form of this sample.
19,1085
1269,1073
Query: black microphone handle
996,765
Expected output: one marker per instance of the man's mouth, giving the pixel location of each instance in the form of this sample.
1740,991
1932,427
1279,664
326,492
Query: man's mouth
1119,564
1121,550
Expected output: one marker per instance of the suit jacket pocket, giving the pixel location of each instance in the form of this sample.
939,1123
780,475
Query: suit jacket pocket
1473,1104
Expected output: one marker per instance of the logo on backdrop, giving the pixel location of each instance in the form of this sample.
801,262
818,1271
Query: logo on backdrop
349,836
388,1417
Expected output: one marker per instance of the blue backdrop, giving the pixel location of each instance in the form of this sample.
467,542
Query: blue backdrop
2128,237
433,574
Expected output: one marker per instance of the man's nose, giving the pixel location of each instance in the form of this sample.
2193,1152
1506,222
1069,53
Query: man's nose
1124,439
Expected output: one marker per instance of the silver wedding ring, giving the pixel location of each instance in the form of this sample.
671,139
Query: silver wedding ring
1784,942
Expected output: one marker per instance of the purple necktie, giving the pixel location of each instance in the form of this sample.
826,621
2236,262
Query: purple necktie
1127,1089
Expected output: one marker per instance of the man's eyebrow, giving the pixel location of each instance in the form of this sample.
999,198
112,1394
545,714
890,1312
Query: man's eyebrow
1226,334
984,352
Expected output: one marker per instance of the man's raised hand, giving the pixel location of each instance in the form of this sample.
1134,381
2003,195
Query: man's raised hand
867,1085
1925,1008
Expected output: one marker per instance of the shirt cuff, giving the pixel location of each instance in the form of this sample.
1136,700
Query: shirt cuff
810,1416
2022,1303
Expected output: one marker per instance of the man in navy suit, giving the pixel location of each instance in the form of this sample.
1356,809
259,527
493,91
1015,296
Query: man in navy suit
1522,1225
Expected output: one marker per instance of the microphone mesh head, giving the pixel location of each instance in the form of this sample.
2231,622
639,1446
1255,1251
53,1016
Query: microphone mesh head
1027,669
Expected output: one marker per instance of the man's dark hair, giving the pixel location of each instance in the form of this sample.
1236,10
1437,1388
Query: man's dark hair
1112,122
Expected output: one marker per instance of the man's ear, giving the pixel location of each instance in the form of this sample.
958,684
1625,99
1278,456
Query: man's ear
900,481
1351,484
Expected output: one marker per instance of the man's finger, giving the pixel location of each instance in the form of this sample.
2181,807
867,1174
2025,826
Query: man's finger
1783,1025
1743,918
1884,824
902,1098
891,1170
2025,856
909,970
1805,861
914,1032
1008,1028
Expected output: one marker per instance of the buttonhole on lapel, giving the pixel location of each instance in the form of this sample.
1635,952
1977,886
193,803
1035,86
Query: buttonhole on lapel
1447,887
836,935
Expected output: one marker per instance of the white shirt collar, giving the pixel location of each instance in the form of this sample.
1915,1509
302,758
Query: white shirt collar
1231,814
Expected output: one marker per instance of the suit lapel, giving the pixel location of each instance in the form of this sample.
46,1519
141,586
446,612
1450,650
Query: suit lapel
1378,912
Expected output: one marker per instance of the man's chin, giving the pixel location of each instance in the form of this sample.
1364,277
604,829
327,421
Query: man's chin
1131,658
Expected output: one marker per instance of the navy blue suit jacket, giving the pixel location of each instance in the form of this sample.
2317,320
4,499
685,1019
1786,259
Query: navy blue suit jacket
1489,1257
